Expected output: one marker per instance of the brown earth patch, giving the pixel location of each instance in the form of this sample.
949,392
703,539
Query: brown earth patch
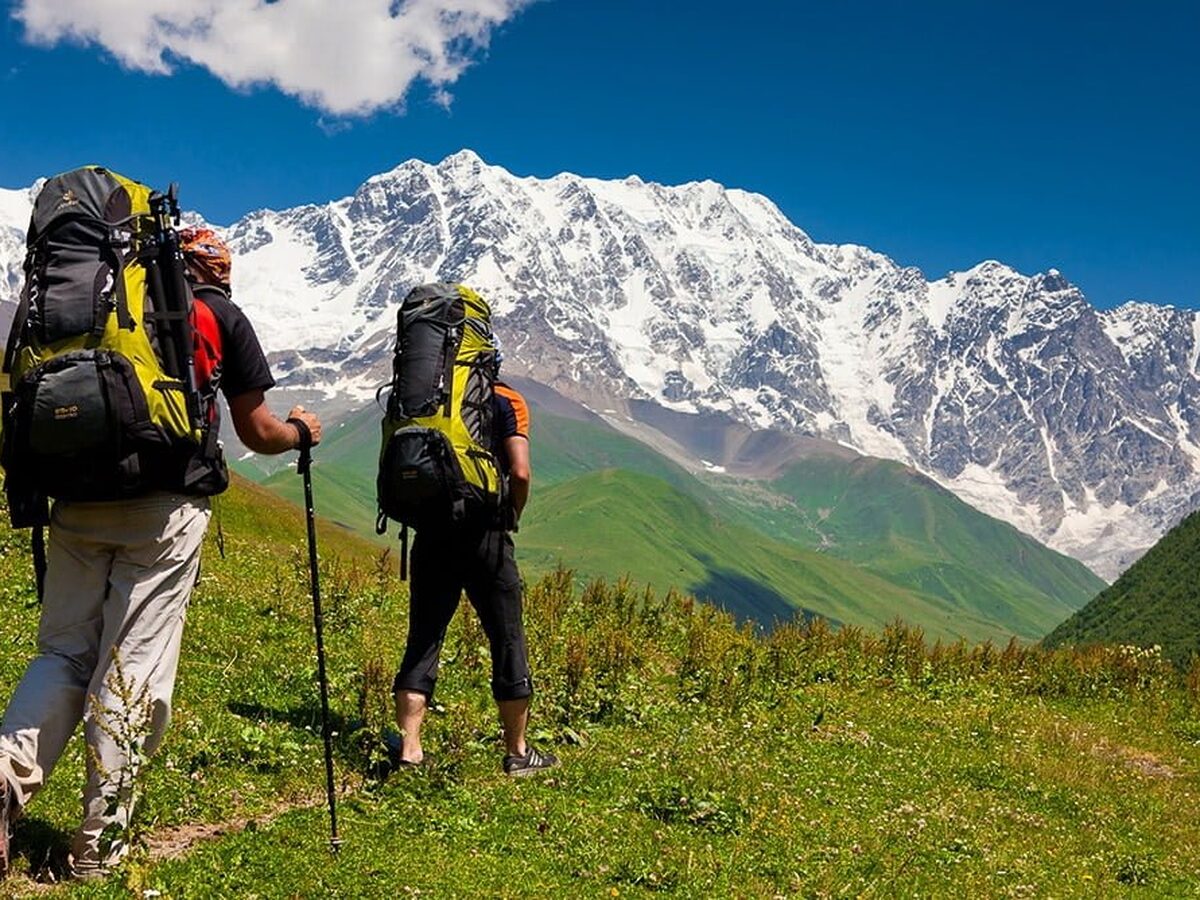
1141,761
841,734
171,843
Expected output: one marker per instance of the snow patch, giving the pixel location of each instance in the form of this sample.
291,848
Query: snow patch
1195,343
271,280
985,490
941,298
15,208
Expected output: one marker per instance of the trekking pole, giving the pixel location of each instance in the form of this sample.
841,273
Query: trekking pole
304,468
174,298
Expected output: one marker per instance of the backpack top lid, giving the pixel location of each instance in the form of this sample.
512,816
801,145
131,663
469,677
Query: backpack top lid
474,306
90,192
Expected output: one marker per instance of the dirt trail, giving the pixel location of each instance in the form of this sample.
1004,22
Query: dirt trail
178,840
172,842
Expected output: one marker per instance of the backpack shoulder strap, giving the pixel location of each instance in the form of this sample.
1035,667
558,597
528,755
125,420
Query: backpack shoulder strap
206,379
206,330
21,318
204,318
212,290
16,333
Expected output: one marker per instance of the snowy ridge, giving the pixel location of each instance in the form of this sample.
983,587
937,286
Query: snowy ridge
1079,427
15,208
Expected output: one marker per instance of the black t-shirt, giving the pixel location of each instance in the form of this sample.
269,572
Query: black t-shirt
244,366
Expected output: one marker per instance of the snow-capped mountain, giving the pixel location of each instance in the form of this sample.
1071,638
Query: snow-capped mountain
15,207
1080,427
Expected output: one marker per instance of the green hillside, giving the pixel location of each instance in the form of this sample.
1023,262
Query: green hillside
343,474
902,526
626,523
858,540
1155,602
563,448
699,759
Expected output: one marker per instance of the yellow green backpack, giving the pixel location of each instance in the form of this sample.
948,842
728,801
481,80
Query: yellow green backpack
436,464
102,401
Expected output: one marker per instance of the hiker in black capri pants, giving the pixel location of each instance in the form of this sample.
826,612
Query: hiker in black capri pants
475,556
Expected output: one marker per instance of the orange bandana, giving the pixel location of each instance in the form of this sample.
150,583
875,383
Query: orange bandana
208,259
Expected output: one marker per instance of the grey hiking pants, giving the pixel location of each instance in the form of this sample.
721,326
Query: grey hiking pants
118,579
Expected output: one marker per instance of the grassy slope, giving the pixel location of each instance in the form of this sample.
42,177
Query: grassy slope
915,550
699,760
662,537
563,449
902,526
1156,601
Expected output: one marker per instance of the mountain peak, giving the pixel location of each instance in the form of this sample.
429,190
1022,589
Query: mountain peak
465,158
991,269
1052,281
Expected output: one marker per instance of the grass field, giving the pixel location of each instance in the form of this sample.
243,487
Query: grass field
699,759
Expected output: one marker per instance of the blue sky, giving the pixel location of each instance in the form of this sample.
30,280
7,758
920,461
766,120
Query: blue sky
940,133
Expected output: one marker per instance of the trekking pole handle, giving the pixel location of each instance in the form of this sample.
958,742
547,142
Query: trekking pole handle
306,443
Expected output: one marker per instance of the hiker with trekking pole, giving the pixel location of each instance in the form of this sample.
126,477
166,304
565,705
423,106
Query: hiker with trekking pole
454,466
124,333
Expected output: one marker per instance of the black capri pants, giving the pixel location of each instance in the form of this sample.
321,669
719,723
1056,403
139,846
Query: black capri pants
445,562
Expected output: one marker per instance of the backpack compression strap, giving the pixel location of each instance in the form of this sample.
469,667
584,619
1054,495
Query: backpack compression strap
206,334
404,553
39,560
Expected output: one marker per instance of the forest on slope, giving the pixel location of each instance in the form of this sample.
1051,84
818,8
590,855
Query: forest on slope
1156,602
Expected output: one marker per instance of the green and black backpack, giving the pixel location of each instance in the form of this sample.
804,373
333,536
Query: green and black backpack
436,464
102,400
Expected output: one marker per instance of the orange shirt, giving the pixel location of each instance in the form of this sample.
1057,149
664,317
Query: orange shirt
513,413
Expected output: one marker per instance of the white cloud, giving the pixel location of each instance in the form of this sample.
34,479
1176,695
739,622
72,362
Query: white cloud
346,57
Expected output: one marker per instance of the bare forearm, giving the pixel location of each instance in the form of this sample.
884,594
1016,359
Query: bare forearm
516,448
262,431
274,437
519,492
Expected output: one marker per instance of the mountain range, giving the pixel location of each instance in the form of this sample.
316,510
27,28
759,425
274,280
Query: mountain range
1081,427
